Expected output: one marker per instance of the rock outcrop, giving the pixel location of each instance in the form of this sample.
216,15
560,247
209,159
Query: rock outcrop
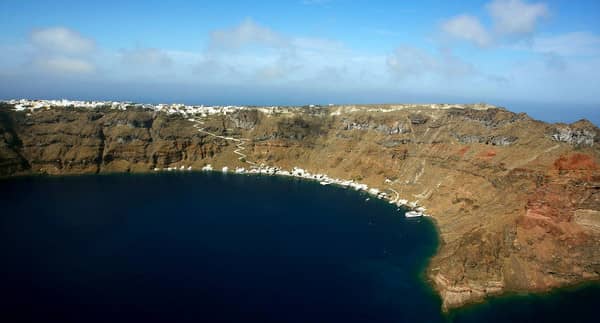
581,133
244,119
505,140
516,201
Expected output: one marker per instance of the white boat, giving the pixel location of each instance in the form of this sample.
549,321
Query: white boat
413,214
324,183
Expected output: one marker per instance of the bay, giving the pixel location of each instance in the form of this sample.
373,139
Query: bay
212,247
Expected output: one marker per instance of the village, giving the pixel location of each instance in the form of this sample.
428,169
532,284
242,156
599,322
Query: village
174,108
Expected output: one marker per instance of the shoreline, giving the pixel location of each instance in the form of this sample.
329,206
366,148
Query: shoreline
323,179
515,295
425,275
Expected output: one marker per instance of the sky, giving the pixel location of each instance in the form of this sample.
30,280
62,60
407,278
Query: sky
540,57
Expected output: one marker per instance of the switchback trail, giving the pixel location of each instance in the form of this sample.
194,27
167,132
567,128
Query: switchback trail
239,142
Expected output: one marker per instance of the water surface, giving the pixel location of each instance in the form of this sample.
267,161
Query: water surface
211,247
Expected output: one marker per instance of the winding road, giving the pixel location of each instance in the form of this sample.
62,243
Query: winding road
239,142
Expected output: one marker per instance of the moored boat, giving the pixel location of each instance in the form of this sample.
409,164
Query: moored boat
413,214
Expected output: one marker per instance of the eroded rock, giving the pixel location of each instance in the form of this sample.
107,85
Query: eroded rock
577,137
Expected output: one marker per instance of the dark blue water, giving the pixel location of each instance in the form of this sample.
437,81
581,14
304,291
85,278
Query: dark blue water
209,247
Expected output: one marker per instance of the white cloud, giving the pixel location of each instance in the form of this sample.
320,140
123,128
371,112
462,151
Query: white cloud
568,44
516,17
146,57
250,52
556,79
410,62
213,69
317,44
248,33
512,20
466,27
61,50
61,40
279,69
559,52
65,65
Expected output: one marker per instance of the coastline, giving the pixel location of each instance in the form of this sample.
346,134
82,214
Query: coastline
523,298
323,179
483,173
425,274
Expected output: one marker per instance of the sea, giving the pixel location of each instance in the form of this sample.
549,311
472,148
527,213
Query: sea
212,247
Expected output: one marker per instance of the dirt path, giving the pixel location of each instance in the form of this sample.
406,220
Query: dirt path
239,142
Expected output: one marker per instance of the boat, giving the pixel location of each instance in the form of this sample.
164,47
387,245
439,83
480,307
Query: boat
413,214
324,183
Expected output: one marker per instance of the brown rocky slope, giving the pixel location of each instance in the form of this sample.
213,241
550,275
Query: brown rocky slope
516,201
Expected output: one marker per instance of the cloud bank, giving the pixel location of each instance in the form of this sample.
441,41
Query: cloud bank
61,40
61,50
502,52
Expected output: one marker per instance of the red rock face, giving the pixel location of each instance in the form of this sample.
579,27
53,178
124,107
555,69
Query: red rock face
576,165
558,248
488,155
576,161
463,151
571,184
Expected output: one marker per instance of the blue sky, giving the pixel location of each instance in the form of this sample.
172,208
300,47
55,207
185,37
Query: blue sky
542,57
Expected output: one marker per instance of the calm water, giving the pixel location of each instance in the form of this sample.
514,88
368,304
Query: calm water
212,247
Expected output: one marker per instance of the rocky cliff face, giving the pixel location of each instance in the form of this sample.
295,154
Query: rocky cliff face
516,201
72,141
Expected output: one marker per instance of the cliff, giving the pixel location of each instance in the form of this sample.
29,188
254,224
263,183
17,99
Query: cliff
516,201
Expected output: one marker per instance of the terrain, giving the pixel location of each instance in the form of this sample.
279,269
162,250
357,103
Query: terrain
516,201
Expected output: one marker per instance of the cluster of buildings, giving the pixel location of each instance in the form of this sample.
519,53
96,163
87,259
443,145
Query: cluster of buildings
170,169
26,104
176,108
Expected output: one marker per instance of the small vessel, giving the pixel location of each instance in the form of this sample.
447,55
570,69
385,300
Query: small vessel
413,214
324,183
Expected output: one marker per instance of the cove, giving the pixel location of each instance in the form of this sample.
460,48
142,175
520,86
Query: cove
212,247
